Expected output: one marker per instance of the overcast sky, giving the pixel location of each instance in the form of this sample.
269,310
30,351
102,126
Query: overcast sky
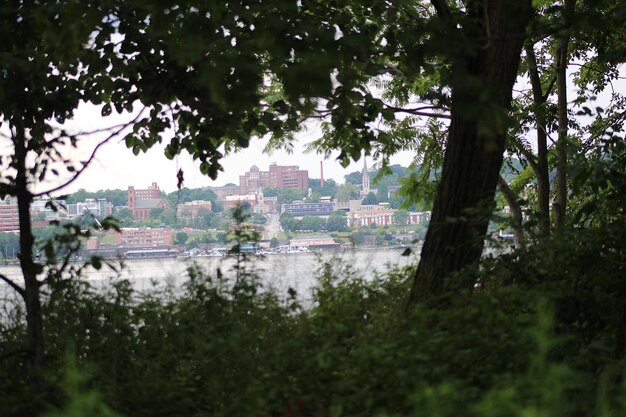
115,166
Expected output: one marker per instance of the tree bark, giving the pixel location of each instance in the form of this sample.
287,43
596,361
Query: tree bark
560,205
34,319
481,77
541,168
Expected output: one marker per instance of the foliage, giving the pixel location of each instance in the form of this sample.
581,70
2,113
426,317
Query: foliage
9,245
287,221
337,222
156,213
553,336
258,218
346,192
185,195
244,244
285,195
401,217
181,238
116,197
329,189
370,199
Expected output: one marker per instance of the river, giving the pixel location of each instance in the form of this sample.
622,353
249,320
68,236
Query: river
282,271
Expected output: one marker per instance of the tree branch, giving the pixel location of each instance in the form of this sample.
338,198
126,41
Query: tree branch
13,285
91,157
549,89
516,212
442,9
418,111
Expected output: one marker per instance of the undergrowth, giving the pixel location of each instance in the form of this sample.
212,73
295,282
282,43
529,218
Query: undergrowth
542,335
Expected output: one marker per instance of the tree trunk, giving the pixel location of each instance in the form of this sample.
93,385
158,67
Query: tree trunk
516,213
541,170
34,320
560,205
482,83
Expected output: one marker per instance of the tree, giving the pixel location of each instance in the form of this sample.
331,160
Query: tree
124,215
312,223
329,188
287,222
274,243
476,140
370,199
181,238
355,178
346,192
573,34
156,213
221,238
258,218
49,73
401,217
337,222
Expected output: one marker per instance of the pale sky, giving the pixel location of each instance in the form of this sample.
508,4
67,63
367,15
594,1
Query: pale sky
115,166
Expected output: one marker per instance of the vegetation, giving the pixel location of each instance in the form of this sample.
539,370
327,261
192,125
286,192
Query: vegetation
536,331
552,336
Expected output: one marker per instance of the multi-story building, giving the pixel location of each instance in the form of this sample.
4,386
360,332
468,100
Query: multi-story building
144,237
366,217
288,177
99,208
233,201
142,202
9,216
419,217
191,209
382,216
300,209
278,176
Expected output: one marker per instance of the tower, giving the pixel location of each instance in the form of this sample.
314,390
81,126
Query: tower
365,181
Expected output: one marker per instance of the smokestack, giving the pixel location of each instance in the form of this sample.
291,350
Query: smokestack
322,173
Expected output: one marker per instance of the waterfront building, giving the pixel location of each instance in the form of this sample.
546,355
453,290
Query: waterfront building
322,242
300,209
419,217
367,215
144,237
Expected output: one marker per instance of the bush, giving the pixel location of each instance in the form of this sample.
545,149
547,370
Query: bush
543,334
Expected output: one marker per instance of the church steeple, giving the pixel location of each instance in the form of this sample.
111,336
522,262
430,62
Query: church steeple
365,181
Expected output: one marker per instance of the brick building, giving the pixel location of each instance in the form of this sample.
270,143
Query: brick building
278,176
9,217
233,201
144,237
381,217
141,202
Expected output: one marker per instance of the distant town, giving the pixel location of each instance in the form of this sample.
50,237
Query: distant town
291,212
